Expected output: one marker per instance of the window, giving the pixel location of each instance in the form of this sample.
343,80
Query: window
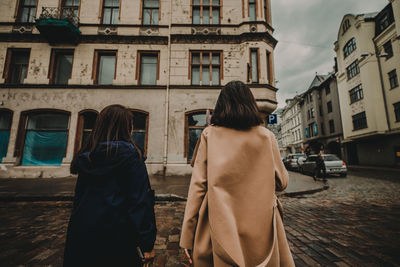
346,25
312,113
254,65
206,11
86,121
148,67
16,67
352,70
331,126
110,11
42,137
327,90
252,10
150,12
70,8
5,126
384,22
322,129
349,47
206,68
356,94
320,111
388,49
359,121
140,129
105,62
195,124
397,111
329,105
270,75
27,11
393,79
60,66
308,114
311,96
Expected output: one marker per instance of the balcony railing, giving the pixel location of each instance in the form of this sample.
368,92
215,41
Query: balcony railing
67,13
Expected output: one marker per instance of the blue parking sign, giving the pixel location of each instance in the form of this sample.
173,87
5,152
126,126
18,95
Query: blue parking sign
273,119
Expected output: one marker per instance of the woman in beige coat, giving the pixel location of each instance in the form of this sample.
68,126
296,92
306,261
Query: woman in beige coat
232,216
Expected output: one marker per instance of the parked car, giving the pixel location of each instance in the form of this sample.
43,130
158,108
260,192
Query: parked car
291,162
333,165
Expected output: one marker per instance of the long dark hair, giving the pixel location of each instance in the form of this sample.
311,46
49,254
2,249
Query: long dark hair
114,123
236,107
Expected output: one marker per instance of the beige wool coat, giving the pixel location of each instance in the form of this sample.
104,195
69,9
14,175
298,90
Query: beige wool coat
231,216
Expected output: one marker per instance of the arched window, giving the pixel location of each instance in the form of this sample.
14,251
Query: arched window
5,126
195,122
42,137
86,121
140,129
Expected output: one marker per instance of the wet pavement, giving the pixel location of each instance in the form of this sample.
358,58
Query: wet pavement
356,222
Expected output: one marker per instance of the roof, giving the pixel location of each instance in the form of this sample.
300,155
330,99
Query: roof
318,80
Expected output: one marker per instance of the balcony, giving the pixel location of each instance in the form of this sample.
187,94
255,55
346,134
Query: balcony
59,25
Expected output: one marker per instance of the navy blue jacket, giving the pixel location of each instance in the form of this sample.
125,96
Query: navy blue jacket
113,209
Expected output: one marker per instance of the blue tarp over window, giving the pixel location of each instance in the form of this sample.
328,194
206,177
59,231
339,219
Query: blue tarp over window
4,137
44,148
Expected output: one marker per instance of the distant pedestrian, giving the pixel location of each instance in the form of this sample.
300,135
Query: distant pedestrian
232,216
113,209
320,168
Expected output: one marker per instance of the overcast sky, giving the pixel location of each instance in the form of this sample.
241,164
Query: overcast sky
306,31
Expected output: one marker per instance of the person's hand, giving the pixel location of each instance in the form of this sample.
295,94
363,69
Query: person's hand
149,256
188,255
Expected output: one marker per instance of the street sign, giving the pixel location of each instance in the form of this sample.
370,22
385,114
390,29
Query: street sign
273,119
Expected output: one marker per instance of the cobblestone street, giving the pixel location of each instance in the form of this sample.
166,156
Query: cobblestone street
354,223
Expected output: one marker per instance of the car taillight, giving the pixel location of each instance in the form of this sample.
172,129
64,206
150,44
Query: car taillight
343,163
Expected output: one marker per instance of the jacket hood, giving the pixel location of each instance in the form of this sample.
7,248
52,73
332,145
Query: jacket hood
101,163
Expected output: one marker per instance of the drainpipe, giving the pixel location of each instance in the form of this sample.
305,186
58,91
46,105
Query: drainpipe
383,87
166,123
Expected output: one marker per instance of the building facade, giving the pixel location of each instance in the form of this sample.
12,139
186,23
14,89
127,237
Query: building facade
63,61
320,113
368,56
291,127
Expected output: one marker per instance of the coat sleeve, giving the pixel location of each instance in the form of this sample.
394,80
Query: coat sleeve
197,191
141,202
281,174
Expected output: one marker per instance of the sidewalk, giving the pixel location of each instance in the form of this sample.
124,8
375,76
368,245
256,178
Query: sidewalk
167,188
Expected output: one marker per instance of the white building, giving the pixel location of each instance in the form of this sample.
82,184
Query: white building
291,127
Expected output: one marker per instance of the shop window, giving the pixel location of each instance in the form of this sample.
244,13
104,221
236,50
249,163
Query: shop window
16,65
5,126
42,137
140,129
86,121
195,123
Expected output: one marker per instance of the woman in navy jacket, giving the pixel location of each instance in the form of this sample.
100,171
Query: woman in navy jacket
113,210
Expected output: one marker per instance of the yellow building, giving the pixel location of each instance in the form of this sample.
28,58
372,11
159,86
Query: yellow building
368,57
62,61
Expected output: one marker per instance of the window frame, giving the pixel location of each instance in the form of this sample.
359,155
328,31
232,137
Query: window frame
139,55
201,7
349,47
257,50
270,74
255,9
396,107
11,113
80,129
355,92
142,13
331,126
393,79
23,123
210,66
19,8
359,116
207,112
96,64
146,138
8,63
388,48
329,106
63,6
51,74
102,6
353,70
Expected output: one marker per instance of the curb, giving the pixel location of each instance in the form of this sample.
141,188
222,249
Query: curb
306,192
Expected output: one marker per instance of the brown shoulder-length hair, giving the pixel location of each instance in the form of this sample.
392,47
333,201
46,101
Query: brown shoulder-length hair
236,108
114,123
